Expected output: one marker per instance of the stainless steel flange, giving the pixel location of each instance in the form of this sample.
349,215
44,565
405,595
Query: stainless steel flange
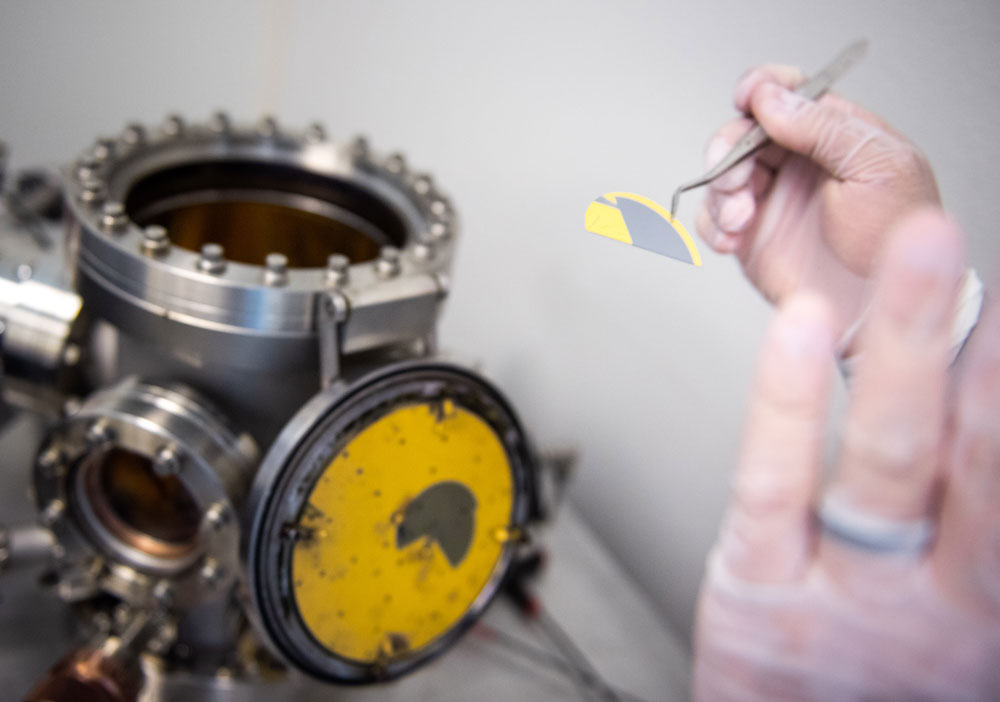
217,239
142,489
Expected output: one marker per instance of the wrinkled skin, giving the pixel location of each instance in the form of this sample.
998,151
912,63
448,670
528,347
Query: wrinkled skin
788,611
811,211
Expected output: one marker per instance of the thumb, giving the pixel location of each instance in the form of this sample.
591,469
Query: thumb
840,143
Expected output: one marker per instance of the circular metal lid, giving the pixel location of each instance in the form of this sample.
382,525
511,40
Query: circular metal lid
383,520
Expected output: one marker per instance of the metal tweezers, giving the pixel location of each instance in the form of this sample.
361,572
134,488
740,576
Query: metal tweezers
756,139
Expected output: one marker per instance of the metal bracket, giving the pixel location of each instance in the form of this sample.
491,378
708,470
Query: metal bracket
334,309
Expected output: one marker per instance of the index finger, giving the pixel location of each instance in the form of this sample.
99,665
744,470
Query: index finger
791,77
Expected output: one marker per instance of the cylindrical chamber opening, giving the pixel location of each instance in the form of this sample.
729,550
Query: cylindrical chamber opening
154,514
253,208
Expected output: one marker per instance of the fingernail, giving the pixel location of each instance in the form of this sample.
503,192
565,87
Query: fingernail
780,101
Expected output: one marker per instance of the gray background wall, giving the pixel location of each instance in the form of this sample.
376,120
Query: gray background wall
525,111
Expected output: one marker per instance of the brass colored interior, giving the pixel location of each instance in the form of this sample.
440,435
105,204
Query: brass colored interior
253,208
152,513
249,231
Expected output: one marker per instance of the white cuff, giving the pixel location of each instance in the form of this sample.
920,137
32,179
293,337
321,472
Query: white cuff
968,307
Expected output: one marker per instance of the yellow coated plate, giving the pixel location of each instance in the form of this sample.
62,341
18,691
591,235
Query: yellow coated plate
403,531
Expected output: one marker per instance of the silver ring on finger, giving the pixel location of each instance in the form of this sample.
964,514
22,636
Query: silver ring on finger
845,523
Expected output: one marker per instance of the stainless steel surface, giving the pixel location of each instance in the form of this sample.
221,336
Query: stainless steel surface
756,138
176,434
584,587
41,316
234,311
207,280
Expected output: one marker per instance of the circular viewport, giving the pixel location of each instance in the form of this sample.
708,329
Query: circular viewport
151,513
253,208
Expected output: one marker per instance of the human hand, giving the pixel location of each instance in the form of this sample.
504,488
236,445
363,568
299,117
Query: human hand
811,210
857,604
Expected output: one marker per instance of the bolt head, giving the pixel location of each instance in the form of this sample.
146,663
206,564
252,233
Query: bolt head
51,463
211,260
163,593
167,461
173,126
113,217
423,184
104,150
360,148
315,133
220,123
217,516
93,194
98,434
134,134
423,251
275,269
338,269
396,163
387,265
52,513
268,127
438,231
440,208
211,572
155,241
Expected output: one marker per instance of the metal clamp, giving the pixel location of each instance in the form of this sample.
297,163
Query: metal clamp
334,309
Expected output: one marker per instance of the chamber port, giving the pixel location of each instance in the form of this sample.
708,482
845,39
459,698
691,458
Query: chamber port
252,209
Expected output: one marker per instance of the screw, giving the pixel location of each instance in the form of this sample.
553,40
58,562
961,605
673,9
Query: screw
359,147
396,164
167,461
217,516
163,593
443,284
315,133
211,573
173,126
113,217
98,434
93,193
53,512
387,264
440,208
423,251
338,269
268,127
134,134
51,463
275,269
438,231
211,260
163,639
104,150
71,354
422,184
155,241
87,170
220,123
